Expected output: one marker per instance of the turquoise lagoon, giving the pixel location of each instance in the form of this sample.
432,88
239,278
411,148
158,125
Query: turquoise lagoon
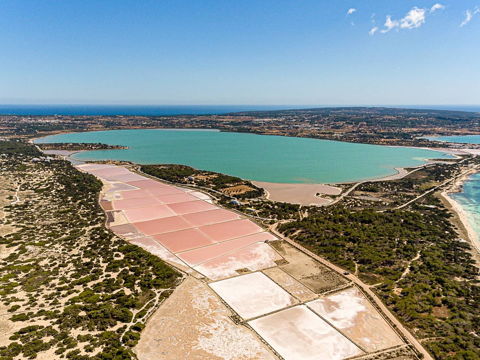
462,139
255,157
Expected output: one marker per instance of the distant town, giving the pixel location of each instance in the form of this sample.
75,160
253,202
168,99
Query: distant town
383,126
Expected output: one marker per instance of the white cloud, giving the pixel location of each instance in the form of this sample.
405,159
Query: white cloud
390,24
351,11
414,19
469,14
436,7
373,30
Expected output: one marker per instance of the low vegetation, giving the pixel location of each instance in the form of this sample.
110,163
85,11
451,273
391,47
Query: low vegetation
73,289
229,186
78,146
414,260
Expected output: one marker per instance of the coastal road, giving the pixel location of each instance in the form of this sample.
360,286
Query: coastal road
436,188
365,288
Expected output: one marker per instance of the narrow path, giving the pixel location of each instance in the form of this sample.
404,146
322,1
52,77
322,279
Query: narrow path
17,199
407,269
434,188
346,193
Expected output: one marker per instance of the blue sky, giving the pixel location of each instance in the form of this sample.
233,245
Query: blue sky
240,52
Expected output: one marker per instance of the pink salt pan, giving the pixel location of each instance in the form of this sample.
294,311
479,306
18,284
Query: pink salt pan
210,217
160,226
183,240
119,187
151,212
155,248
124,177
200,255
147,184
230,229
254,257
191,207
138,193
109,172
93,167
175,198
164,190
134,203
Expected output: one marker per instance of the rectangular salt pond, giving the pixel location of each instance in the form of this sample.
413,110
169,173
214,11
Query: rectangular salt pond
148,213
298,333
201,255
230,230
183,240
350,312
253,257
252,295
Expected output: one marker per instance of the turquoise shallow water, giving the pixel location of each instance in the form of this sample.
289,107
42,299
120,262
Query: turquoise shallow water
469,197
469,200
466,139
255,157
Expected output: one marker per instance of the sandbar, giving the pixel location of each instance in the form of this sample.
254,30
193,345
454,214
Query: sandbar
302,194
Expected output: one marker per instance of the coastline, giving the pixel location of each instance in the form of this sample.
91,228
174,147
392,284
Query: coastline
318,194
302,194
461,218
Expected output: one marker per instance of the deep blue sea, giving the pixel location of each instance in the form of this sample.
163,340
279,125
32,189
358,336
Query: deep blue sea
158,110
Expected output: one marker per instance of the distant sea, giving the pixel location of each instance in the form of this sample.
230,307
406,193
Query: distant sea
159,110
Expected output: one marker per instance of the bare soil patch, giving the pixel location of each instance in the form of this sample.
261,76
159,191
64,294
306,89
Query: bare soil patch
306,270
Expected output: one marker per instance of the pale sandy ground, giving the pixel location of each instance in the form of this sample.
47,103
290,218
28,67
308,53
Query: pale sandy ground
297,333
303,194
350,312
294,287
193,324
252,295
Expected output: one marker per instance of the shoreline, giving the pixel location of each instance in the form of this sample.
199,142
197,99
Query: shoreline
318,194
461,217
302,194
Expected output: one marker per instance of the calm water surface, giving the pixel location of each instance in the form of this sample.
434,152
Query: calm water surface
469,197
255,157
465,139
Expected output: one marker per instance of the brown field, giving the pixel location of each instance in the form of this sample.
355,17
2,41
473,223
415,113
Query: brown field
315,276
295,288
237,190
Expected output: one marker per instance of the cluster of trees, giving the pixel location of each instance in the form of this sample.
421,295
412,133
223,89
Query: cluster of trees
78,146
439,298
18,148
209,179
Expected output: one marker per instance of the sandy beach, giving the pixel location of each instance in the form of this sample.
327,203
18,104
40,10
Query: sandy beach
303,194
461,217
